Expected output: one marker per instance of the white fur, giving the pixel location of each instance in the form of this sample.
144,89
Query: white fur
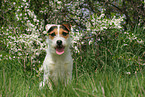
57,67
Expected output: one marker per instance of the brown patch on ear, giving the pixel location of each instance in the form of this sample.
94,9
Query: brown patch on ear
68,26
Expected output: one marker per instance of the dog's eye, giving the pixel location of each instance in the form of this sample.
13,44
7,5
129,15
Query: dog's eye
64,33
52,34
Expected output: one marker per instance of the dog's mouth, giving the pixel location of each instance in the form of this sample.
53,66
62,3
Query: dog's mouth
60,49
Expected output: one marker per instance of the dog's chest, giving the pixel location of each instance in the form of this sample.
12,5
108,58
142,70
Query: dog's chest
60,66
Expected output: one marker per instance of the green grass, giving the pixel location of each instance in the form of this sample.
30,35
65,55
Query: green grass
17,83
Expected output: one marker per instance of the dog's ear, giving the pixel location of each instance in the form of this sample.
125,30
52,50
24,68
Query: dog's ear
68,26
48,26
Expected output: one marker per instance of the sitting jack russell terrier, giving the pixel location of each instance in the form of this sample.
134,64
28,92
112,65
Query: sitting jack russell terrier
58,63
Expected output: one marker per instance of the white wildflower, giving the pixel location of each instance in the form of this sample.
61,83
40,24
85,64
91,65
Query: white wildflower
128,72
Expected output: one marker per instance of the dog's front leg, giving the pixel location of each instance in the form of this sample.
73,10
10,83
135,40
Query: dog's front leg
68,75
42,83
45,80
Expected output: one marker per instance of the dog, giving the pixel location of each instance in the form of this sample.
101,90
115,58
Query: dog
58,63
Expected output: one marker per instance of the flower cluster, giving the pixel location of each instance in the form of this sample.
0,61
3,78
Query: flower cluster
132,37
100,23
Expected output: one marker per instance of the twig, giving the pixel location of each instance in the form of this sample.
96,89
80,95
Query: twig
102,90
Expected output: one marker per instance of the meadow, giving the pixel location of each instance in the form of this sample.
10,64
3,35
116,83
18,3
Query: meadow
112,68
17,83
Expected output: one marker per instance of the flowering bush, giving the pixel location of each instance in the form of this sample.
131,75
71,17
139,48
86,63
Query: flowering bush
95,25
100,23
26,42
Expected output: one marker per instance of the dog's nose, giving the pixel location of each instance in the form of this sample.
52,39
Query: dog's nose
59,42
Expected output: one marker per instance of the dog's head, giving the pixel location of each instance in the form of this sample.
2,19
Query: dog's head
58,37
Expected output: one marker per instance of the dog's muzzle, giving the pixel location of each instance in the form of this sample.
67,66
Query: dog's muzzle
59,48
